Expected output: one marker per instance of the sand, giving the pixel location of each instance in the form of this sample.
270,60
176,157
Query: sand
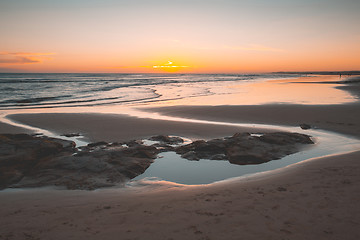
316,199
337,118
312,200
111,127
7,128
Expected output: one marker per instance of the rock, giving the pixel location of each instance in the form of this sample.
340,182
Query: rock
97,144
65,143
167,139
305,126
36,161
191,155
141,151
20,153
243,148
284,138
134,143
219,156
163,147
69,135
202,149
29,161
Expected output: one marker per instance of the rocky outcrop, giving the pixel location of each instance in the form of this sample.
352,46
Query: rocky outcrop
35,161
19,153
244,148
167,139
29,161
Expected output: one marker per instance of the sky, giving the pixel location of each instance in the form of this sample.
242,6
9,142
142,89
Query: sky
188,36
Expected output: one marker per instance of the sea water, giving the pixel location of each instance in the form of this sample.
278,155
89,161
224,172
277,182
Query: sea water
49,90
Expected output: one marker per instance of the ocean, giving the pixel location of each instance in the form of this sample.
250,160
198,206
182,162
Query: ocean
49,90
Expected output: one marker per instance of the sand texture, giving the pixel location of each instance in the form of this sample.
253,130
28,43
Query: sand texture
311,200
107,127
338,118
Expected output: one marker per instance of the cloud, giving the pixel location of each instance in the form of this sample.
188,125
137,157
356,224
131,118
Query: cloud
18,60
22,57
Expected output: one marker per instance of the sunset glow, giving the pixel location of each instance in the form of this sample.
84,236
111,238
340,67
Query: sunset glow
169,67
201,37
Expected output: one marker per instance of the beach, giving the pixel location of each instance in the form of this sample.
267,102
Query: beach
317,198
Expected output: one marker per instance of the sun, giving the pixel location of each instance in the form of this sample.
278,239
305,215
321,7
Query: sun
169,67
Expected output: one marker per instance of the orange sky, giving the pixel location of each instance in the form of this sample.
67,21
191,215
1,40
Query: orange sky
196,36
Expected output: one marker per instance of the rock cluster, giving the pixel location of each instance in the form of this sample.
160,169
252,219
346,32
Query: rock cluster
35,161
244,148
29,161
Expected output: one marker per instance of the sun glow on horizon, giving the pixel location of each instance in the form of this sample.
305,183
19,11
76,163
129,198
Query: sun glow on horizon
169,67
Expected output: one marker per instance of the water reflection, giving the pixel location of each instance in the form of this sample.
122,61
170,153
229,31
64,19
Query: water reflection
171,167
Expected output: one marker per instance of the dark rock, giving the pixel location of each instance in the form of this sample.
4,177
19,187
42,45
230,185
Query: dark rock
163,147
69,135
284,138
28,161
241,135
191,155
31,161
20,153
243,148
97,144
134,143
167,139
66,144
219,156
305,126
141,151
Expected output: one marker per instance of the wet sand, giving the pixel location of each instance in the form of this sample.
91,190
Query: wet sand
338,118
318,199
7,128
111,127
